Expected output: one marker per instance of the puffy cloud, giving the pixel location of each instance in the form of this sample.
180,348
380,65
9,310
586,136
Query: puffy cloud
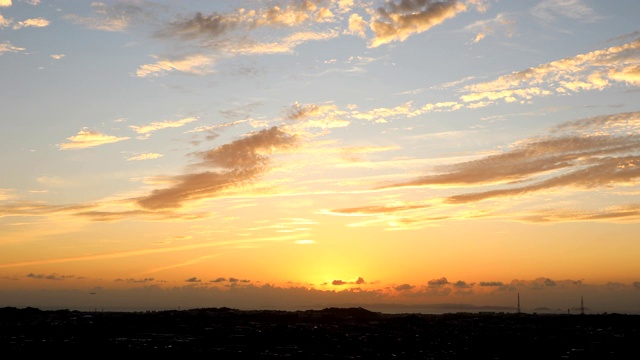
5,3
193,280
38,22
491,283
234,163
438,282
57,56
357,25
193,64
145,156
396,22
147,129
88,138
404,287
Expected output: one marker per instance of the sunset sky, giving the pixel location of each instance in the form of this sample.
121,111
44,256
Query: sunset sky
298,154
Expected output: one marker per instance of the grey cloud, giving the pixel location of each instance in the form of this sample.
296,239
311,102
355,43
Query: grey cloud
438,282
404,287
462,285
359,281
53,276
218,280
636,285
491,283
193,280
136,281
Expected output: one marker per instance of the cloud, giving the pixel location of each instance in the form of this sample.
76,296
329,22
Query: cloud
438,282
5,3
219,280
57,56
233,164
112,18
8,47
580,161
484,28
595,70
155,126
87,138
37,22
4,22
192,64
396,22
145,156
373,210
404,287
573,9
491,283
193,280
357,25
136,281
358,281
53,276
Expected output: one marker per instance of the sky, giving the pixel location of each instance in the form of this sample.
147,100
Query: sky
295,154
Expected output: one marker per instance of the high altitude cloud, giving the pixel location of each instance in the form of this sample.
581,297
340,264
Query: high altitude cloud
88,138
112,18
396,22
193,64
231,165
145,156
590,71
147,129
573,9
571,160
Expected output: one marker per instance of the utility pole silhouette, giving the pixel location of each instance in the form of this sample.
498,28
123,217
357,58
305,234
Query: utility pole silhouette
518,303
581,306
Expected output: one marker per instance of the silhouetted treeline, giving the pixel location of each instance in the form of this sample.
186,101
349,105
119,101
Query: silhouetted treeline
345,333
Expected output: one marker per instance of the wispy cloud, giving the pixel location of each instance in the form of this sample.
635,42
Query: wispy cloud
231,165
8,47
159,125
145,156
87,138
113,18
192,64
548,10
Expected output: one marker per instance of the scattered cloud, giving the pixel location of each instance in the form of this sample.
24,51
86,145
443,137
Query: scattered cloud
358,281
193,280
8,47
357,25
57,56
491,283
155,126
145,156
136,281
193,64
5,3
37,22
113,18
54,276
87,138
438,282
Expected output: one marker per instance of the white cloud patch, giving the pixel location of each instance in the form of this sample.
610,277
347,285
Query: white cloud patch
145,156
57,56
38,22
147,129
88,138
8,47
194,64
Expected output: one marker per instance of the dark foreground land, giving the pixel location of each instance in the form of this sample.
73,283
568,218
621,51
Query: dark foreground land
332,333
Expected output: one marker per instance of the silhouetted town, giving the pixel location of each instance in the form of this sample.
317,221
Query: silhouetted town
331,333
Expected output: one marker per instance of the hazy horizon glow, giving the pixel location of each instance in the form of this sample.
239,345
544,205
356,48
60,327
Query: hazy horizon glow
291,154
